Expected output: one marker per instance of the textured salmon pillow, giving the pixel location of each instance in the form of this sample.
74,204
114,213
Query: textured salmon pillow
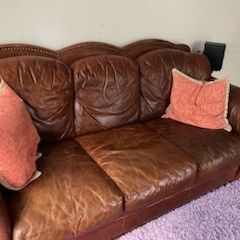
18,141
199,103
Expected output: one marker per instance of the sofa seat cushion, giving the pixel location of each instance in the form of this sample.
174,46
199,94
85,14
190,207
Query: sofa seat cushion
213,150
71,197
143,164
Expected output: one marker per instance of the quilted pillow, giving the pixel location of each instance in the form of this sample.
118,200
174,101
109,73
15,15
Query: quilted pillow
18,141
199,103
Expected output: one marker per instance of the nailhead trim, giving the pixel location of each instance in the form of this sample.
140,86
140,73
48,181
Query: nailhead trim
121,51
29,49
86,47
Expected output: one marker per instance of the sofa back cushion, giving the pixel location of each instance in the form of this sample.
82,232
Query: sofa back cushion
156,77
46,87
107,92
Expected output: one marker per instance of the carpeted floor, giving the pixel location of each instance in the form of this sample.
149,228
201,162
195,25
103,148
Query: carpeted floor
214,216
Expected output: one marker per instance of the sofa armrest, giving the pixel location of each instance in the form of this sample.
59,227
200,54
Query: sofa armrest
5,227
234,108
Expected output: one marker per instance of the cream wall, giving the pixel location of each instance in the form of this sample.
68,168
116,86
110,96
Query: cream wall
58,23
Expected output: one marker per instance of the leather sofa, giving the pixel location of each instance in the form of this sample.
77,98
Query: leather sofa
110,162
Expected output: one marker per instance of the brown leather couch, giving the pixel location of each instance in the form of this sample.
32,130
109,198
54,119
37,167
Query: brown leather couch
110,162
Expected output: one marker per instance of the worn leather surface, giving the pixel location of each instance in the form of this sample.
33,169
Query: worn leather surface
213,150
70,54
129,220
144,165
136,49
133,219
46,87
5,227
76,198
234,108
106,93
72,196
73,53
156,77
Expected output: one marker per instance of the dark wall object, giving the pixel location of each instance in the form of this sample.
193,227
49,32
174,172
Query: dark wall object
215,53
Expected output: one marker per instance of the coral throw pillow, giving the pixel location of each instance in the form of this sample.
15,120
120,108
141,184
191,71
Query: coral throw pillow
199,103
18,141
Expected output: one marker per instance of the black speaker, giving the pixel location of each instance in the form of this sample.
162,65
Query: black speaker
215,54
